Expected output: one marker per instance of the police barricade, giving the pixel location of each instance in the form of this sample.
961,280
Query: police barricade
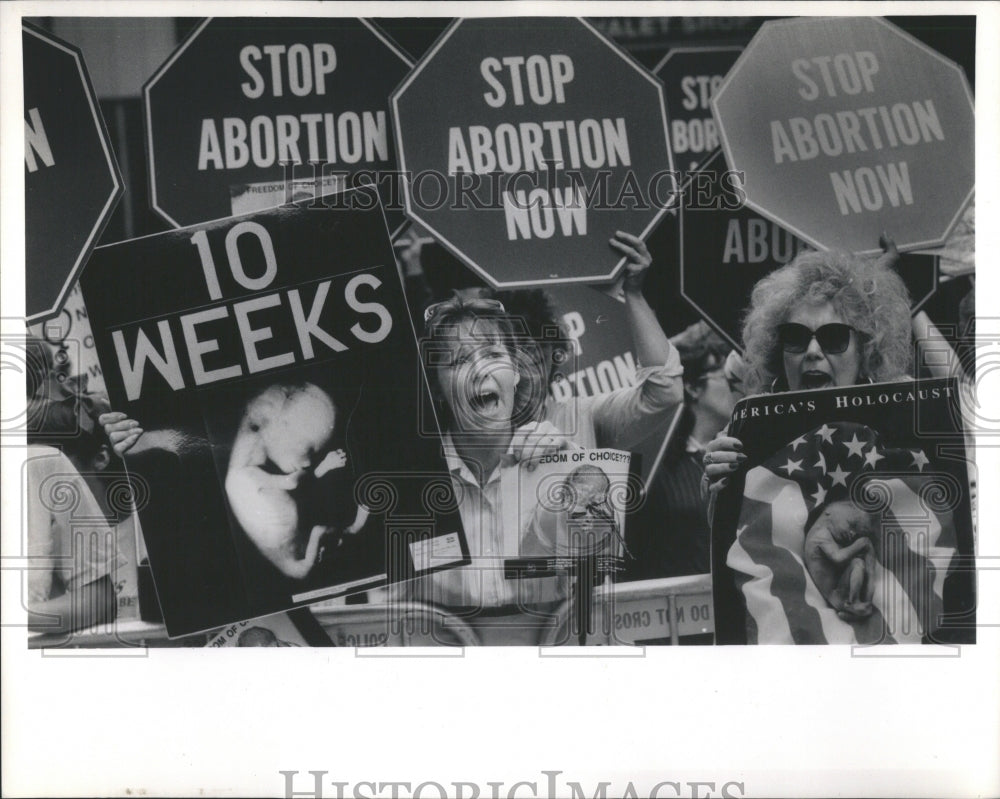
627,613
409,624
644,611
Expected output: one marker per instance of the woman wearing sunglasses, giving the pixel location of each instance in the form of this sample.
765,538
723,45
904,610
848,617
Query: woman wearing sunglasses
831,320
827,319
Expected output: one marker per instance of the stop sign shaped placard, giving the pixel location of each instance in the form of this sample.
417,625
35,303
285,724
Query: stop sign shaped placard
528,143
722,243
602,360
845,127
71,180
690,76
246,105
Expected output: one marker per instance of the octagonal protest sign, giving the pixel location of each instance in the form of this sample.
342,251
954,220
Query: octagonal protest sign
602,360
690,76
71,180
725,244
246,108
845,127
527,143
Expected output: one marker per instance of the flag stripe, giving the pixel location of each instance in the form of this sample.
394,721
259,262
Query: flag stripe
874,629
788,584
787,526
783,495
911,578
936,547
787,533
765,617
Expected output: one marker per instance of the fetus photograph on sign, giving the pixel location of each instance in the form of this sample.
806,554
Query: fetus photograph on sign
244,387
566,349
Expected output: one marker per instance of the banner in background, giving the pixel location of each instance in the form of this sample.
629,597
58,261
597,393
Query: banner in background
690,76
240,104
724,244
71,178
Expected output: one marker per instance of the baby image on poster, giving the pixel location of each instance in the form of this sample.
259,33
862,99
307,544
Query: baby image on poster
848,525
284,442
261,399
288,474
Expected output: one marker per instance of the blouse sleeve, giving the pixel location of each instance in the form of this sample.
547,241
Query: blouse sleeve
626,417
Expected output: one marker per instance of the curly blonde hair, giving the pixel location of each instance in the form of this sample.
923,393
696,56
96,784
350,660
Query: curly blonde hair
866,292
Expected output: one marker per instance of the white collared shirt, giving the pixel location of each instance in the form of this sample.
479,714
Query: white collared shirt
494,519
493,515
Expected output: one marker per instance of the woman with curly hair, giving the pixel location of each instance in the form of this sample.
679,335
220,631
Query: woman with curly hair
826,319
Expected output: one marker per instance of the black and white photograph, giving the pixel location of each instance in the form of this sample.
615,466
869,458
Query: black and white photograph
849,532
560,371
276,456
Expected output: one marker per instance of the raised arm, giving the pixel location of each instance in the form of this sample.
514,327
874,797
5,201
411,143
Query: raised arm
628,416
652,347
935,352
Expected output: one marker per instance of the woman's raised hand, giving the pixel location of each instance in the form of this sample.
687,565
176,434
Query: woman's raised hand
639,259
890,253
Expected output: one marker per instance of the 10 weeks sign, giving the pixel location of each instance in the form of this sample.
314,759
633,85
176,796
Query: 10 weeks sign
276,463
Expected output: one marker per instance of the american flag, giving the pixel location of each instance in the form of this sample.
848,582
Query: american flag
914,545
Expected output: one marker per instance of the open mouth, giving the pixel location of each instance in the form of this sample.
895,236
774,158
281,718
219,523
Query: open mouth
486,400
816,379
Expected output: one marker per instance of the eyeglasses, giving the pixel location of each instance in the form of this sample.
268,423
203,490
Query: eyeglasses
832,338
593,511
492,306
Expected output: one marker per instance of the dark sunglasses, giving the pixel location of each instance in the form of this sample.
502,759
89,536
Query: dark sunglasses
491,306
833,338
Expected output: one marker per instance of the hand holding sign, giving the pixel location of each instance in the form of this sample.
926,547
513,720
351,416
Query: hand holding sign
639,259
723,456
535,439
